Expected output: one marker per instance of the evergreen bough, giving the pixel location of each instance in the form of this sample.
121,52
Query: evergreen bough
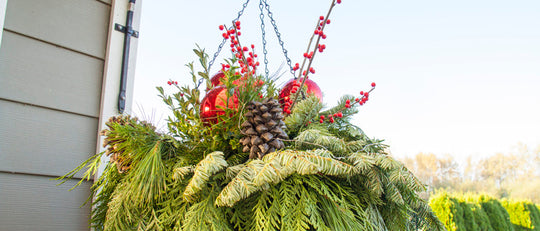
195,176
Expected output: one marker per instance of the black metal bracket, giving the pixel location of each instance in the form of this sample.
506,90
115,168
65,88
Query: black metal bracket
124,30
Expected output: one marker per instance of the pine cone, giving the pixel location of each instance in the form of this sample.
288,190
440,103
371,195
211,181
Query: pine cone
116,152
263,128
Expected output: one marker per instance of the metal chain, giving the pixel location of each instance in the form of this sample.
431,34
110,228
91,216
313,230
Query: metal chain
225,40
278,35
261,7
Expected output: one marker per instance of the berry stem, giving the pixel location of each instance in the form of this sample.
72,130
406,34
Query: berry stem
241,52
314,52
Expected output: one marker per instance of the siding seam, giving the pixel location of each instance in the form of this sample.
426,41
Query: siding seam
103,2
49,108
39,174
53,44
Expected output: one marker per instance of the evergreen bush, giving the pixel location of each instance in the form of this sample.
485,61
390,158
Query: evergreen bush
448,210
498,216
523,215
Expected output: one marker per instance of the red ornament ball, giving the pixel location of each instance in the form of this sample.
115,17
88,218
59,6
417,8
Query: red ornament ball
214,103
312,88
216,80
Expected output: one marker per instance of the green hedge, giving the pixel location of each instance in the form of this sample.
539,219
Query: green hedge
485,213
498,216
523,214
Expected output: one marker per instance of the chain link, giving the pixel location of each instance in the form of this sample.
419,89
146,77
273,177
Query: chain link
261,7
225,40
278,35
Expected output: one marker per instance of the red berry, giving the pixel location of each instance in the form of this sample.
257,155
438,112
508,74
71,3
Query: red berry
328,21
252,46
373,84
357,100
316,32
338,1
366,94
323,36
305,55
322,117
340,114
361,92
221,27
237,23
321,121
239,33
331,120
321,17
348,101
312,70
169,82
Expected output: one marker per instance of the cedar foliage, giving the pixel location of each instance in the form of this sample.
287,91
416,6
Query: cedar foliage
195,176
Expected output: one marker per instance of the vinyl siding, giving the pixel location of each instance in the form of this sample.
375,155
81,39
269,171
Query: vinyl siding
40,73
51,76
42,141
80,25
36,203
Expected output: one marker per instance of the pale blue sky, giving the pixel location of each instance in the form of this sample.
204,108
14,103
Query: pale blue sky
453,77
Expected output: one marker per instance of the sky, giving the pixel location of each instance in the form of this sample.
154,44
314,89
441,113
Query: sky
457,78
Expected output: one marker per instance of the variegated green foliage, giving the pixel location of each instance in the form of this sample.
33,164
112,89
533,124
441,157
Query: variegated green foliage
210,165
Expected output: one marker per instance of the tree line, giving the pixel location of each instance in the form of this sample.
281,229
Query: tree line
512,175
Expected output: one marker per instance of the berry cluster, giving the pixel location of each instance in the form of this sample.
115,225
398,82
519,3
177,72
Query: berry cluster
288,100
172,82
364,97
246,58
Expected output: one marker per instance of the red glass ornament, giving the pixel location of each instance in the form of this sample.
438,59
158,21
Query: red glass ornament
312,88
216,79
214,102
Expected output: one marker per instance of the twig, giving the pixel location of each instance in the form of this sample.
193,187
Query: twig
314,52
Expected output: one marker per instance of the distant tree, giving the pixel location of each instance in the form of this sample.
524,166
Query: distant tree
499,175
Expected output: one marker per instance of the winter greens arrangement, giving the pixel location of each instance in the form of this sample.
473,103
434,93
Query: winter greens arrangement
250,155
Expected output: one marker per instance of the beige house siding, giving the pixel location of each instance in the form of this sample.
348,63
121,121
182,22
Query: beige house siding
60,64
